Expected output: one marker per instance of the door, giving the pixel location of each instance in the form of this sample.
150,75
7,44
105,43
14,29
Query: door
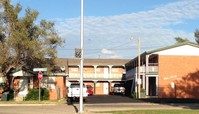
152,86
23,85
106,73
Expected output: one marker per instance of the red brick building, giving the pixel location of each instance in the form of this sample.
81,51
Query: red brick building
24,80
170,72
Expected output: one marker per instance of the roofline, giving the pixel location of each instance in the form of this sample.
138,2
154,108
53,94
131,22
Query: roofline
172,46
165,48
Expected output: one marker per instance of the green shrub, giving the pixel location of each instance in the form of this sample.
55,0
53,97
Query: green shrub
34,94
133,94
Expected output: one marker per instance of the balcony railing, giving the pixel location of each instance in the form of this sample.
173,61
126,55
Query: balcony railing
97,75
152,68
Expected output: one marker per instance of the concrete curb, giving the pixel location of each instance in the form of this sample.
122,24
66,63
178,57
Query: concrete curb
27,104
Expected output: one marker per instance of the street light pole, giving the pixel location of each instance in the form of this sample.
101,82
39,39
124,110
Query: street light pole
139,80
81,61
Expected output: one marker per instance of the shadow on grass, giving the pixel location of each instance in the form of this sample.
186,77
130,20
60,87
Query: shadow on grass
185,103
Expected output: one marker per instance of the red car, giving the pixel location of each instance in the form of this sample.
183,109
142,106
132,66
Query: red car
89,89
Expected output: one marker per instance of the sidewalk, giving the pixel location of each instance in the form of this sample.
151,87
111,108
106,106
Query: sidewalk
91,108
63,108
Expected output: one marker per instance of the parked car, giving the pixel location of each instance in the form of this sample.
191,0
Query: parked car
89,89
118,89
74,92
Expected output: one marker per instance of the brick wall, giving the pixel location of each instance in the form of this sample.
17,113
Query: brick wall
59,87
183,71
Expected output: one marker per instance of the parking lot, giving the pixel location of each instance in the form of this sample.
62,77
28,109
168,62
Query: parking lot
95,99
126,99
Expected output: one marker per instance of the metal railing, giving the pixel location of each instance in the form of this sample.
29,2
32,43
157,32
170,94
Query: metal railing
97,75
152,68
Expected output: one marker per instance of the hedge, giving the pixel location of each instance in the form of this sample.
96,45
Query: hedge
34,94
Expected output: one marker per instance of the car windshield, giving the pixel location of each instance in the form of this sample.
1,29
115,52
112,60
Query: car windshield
76,85
89,86
118,85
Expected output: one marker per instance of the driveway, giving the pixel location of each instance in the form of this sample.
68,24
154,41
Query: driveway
98,99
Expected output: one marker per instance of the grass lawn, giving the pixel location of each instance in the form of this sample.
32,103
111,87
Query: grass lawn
155,112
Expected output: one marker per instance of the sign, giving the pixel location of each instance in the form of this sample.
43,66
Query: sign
172,85
40,75
39,69
77,52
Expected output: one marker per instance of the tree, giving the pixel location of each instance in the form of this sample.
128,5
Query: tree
24,43
197,36
181,40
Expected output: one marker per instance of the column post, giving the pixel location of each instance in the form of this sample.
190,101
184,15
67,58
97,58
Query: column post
156,85
95,81
95,70
147,85
110,82
110,70
146,77
147,64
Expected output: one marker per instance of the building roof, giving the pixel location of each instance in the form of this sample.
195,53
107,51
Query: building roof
101,62
162,49
172,46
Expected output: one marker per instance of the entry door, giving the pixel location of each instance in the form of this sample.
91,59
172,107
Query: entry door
106,83
23,84
152,86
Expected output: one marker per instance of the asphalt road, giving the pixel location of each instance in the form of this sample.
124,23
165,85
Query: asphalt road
97,99
94,103
63,108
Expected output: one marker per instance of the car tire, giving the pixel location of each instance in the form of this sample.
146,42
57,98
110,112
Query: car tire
85,100
70,101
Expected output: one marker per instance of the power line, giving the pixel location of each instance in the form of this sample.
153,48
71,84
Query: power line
111,48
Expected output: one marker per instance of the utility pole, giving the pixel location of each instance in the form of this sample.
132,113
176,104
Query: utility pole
81,61
138,78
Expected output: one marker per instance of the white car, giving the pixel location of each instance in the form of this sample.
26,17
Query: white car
118,89
74,92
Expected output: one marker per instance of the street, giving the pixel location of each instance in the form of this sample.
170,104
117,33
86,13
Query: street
94,104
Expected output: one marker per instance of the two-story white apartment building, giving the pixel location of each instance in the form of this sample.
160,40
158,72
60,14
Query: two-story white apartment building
99,73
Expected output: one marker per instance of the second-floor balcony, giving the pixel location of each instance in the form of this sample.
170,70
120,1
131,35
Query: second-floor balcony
97,75
152,68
